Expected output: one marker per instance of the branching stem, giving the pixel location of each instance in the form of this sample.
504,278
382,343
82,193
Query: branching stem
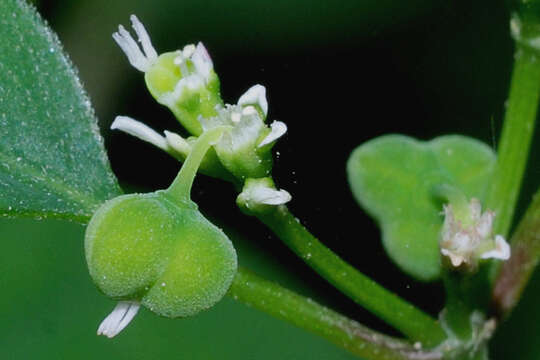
309,315
402,315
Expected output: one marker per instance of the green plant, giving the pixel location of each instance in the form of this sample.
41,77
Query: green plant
403,183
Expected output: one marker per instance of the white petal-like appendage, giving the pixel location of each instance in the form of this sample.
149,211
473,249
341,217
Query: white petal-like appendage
188,50
268,196
501,251
139,130
455,259
144,38
119,318
202,61
485,224
256,95
278,130
177,143
139,60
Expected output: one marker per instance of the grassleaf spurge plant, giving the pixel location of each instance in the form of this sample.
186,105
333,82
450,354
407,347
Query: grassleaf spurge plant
444,206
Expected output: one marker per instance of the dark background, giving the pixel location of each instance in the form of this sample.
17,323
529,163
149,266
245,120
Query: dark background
338,73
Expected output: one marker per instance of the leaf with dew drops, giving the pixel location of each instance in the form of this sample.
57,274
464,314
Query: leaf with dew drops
52,159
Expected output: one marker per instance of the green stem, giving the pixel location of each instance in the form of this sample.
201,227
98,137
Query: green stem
515,138
459,304
181,187
402,315
307,314
516,272
519,121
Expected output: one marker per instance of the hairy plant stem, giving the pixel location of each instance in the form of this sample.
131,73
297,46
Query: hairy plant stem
307,314
400,314
516,272
515,139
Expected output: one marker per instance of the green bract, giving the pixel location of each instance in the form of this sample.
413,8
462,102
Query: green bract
159,250
394,178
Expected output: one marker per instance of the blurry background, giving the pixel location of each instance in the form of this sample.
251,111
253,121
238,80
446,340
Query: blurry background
338,73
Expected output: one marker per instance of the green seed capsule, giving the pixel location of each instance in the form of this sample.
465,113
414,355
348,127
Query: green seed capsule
159,250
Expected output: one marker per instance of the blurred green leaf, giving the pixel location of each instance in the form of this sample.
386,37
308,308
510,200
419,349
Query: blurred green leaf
393,178
52,159
50,309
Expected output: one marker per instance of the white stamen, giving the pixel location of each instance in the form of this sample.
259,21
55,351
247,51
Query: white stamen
180,60
188,50
249,110
119,318
278,130
177,143
256,95
236,117
268,196
501,251
139,60
202,61
139,130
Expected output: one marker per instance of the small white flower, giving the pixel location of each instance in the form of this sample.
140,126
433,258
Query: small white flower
469,238
193,77
141,60
246,122
119,318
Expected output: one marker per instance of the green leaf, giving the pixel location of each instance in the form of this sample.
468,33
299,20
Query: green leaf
52,159
393,178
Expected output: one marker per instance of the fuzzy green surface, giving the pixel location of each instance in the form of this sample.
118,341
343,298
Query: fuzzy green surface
247,162
162,77
145,247
393,177
52,159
